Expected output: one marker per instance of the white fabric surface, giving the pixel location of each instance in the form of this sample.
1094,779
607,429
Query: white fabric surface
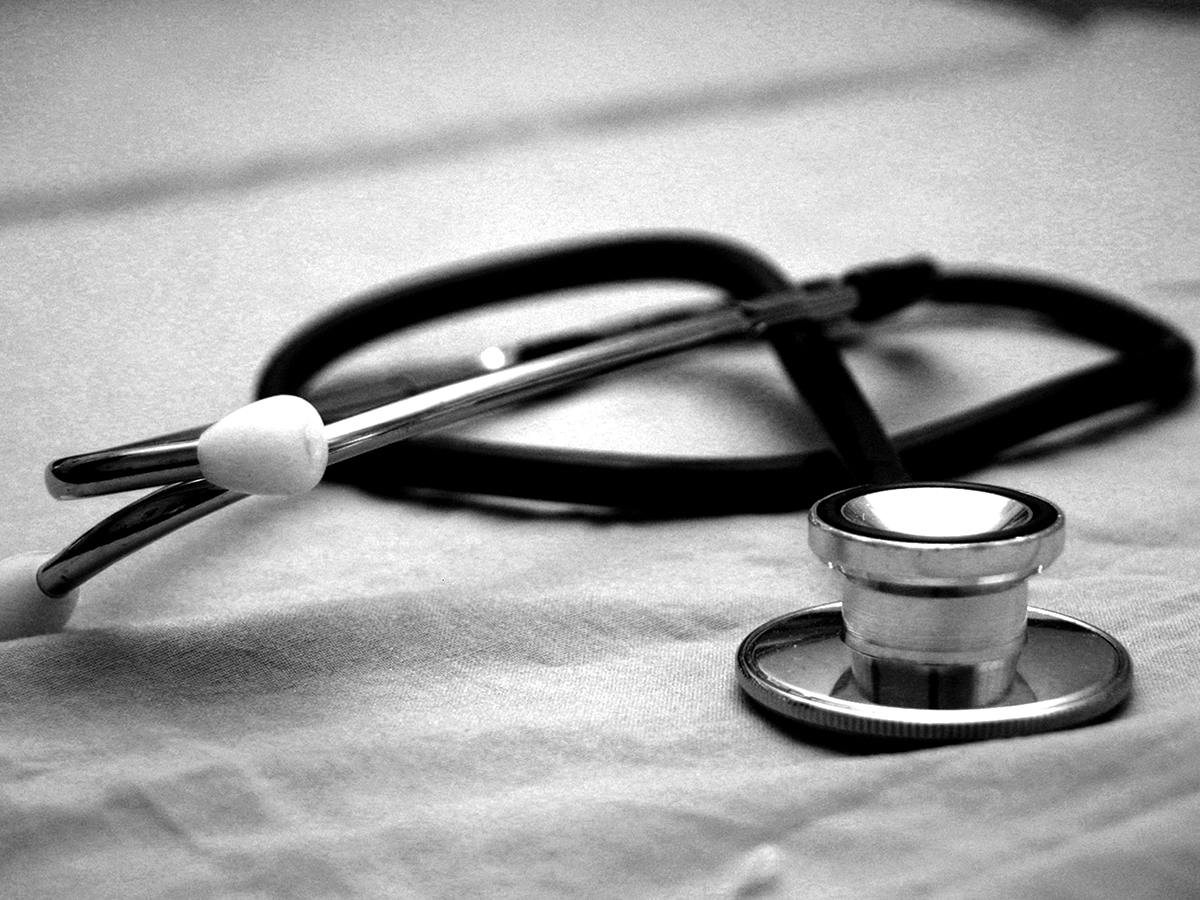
339,696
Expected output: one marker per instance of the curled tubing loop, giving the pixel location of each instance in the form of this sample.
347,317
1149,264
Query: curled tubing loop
1153,365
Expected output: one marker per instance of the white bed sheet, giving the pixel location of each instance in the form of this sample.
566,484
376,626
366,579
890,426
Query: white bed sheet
343,696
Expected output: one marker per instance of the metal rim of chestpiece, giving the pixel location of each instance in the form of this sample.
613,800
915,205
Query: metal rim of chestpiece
934,639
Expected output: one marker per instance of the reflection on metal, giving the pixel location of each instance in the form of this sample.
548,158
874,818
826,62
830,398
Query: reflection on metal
933,638
936,511
1068,673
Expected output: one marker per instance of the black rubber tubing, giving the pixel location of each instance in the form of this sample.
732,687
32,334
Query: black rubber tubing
1154,365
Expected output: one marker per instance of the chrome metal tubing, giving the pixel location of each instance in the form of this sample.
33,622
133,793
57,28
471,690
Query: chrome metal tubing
127,468
149,464
165,510
465,400
131,528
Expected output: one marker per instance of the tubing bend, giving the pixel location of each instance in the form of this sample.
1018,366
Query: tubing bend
131,528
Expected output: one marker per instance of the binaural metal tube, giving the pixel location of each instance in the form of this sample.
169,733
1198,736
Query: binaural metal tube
143,465
131,528
148,464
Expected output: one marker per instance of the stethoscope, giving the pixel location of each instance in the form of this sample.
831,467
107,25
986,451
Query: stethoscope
933,639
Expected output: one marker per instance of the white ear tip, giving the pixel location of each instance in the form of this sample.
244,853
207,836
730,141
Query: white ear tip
25,610
274,446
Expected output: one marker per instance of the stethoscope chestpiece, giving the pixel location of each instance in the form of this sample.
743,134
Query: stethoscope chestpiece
934,639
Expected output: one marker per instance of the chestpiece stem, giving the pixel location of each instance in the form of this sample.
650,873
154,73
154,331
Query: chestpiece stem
935,598
945,651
